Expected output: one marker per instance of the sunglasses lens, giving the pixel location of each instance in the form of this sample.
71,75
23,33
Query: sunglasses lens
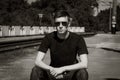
63,23
57,23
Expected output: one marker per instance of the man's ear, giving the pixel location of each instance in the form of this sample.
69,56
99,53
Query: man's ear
70,21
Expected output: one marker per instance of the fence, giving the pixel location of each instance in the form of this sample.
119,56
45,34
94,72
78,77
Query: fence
31,30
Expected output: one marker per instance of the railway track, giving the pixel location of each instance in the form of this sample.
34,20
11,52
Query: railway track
12,45
16,44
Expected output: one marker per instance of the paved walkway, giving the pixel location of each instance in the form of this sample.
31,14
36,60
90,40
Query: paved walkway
17,65
11,39
105,41
103,64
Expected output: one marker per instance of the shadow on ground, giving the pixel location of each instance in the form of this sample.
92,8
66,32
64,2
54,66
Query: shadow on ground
87,34
111,79
111,50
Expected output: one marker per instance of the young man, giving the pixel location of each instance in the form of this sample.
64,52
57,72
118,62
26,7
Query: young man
64,48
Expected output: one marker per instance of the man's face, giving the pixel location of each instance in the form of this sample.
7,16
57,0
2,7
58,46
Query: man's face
61,24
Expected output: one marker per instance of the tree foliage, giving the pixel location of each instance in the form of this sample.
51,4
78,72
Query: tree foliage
104,19
19,12
118,18
80,10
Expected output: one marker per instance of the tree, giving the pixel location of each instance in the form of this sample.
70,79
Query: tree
80,10
10,10
19,12
3,11
118,17
103,18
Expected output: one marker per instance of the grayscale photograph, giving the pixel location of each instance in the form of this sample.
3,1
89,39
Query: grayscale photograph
59,39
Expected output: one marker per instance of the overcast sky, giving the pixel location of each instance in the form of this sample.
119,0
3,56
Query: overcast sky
105,4
29,1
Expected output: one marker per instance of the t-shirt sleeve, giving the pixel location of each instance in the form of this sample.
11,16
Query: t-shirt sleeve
82,48
45,43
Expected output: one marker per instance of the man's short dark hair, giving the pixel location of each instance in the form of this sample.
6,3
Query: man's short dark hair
61,13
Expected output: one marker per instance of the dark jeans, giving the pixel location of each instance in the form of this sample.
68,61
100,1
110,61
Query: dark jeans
40,74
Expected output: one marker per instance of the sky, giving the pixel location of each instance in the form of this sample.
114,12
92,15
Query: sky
105,4
29,1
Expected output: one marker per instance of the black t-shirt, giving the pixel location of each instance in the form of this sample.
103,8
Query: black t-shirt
63,51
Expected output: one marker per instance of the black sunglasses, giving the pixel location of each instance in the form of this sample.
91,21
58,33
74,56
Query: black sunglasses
63,23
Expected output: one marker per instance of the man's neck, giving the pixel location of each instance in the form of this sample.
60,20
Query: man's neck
63,36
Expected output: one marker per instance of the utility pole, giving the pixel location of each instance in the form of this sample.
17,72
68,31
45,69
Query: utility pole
110,21
40,17
114,12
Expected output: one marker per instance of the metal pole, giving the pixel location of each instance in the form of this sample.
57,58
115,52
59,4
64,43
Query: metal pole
40,17
110,16
114,12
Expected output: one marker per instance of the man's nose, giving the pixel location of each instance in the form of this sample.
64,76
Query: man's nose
60,26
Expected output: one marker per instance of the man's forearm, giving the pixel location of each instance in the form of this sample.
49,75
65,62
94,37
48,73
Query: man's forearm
42,65
75,66
39,61
83,61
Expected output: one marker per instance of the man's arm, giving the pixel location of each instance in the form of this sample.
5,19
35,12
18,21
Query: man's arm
83,63
39,61
80,65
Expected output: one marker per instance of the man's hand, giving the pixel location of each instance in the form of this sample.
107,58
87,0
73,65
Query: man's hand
56,71
59,76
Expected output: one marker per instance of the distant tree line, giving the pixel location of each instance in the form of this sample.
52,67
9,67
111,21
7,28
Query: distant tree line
19,12
103,20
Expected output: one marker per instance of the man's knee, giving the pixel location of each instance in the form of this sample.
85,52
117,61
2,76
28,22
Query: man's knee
36,69
82,74
37,73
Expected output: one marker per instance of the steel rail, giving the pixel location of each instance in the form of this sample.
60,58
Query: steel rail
19,44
